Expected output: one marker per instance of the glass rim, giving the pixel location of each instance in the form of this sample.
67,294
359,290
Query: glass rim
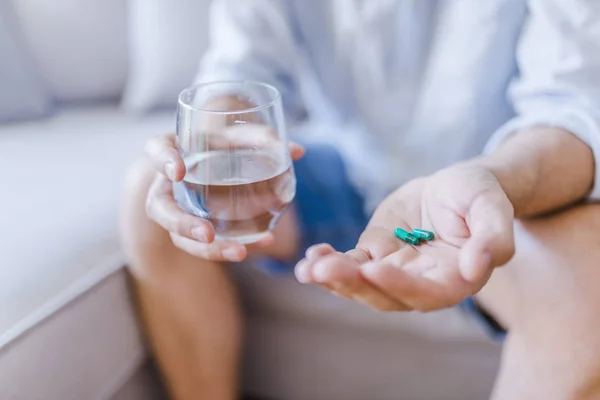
189,89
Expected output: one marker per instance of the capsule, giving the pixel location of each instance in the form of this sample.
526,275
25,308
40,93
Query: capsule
407,237
423,234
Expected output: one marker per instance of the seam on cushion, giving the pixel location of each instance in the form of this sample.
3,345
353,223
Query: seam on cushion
97,275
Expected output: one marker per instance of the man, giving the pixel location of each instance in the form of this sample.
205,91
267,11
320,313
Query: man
404,89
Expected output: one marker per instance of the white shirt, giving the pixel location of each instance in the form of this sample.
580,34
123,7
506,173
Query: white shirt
406,87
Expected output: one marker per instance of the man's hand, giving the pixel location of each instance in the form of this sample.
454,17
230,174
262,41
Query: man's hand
191,234
472,218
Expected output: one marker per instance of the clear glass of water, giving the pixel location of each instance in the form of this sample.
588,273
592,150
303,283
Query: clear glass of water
233,141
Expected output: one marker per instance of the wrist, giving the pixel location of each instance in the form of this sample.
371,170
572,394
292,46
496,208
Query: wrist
518,181
542,169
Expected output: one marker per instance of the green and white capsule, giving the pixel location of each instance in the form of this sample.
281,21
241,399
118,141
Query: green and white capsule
407,237
423,234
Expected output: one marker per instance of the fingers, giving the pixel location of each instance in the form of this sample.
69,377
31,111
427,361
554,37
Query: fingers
251,136
360,255
340,274
266,241
190,233
216,251
400,258
420,281
164,155
162,209
296,151
260,248
379,242
304,269
319,250
490,220
414,291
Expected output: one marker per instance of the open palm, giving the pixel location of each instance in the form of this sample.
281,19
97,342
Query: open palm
473,222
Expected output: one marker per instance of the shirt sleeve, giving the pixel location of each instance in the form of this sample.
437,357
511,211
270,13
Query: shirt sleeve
255,40
558,56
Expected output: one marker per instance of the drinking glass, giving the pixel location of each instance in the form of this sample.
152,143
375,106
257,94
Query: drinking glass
239,173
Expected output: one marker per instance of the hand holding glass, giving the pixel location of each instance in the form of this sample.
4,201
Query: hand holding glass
240,177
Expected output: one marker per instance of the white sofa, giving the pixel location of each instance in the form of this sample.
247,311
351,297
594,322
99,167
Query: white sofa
68,329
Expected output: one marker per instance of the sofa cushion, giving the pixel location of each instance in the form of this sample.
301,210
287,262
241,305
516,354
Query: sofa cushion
62,179
298,334
87,349
281,296
21,95
79,46
66,321
167,40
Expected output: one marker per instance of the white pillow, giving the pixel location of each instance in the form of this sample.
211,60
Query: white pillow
167,39
80,46
21,95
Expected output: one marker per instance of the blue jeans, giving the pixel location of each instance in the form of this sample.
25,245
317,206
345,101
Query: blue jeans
328,208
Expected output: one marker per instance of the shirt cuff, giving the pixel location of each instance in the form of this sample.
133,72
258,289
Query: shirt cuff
578,123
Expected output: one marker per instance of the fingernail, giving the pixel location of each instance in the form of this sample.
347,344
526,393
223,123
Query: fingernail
170,170
301,271
231,254
317,251
199,234
311,252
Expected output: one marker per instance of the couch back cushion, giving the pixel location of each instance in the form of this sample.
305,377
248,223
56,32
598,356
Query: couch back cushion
78,46
167,40
22,96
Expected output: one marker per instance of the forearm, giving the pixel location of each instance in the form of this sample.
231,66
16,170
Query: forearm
542,169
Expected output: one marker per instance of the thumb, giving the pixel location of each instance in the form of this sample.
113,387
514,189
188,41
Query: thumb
490,220
163,153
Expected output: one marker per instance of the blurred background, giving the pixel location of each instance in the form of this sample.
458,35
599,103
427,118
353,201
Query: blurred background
83,84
